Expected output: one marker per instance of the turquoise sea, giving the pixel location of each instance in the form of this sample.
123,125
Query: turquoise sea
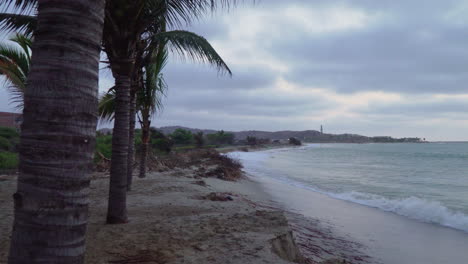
404,203
426,182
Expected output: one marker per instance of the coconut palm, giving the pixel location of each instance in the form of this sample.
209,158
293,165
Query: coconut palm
122,41
57,136
127,23
149,100
153,85
14,66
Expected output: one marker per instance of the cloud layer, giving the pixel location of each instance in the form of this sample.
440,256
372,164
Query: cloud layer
397,68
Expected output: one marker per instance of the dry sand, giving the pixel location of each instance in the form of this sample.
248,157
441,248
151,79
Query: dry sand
171,222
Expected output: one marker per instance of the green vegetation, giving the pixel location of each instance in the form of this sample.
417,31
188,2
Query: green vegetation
9,140
14,66
160,142
220,138
8,133
182,137
5,144
8,160
199,139
103,146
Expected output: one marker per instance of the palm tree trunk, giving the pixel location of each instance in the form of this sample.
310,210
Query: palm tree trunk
131,139
145,138
58,134
117,204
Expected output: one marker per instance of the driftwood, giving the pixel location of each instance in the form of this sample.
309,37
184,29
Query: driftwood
103,164
102,156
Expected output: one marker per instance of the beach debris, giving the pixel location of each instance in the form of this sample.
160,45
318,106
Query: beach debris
219,197
201,247
201,183
206,163
103,163
285,247
221,167
142,256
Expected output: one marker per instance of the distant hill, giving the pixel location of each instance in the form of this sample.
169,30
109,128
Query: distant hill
169,129
311,136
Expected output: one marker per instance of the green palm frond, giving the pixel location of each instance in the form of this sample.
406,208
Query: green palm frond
106,107
14,65
25,42
18,23
21,6
178,12
192,46
149,97
19,57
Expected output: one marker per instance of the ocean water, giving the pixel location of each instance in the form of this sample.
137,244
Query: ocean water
422,182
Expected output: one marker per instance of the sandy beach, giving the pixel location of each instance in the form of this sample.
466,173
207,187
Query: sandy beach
178,217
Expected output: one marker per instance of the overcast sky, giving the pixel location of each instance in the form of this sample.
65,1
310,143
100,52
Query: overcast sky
397,68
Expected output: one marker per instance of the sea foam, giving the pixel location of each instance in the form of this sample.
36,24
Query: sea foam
433,212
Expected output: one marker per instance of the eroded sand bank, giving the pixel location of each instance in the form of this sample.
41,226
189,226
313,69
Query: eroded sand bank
177,217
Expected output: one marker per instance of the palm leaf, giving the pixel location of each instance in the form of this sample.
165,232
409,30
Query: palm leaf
106,107
149,97
192,46
14,65
18,23
25,43
178,12
22,6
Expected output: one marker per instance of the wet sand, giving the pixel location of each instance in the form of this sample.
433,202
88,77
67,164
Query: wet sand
386,237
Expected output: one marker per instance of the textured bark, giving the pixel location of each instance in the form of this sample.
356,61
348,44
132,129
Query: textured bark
58,134
117,205
121,33
145,138
131,139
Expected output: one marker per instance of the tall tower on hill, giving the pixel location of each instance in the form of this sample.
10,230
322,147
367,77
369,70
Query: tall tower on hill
321,129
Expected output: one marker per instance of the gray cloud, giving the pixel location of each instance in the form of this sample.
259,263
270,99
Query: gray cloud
202,77
415,49
442,108
262,103
387,58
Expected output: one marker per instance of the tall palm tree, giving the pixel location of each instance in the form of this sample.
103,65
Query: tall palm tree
149,100
151,83
125,24
14,65
58,134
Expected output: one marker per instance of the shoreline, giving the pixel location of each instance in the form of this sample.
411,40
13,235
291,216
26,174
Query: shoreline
384,235
176,216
